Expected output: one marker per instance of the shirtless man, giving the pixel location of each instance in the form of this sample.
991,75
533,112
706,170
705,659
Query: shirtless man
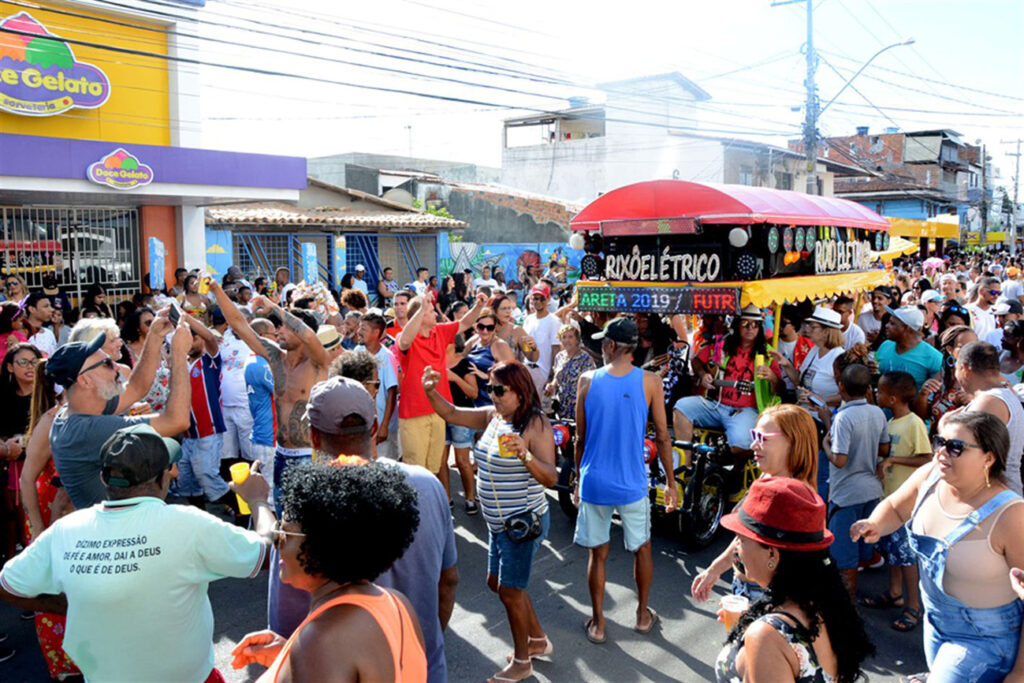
297,362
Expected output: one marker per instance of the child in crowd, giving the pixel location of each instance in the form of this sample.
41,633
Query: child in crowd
908,449
858,437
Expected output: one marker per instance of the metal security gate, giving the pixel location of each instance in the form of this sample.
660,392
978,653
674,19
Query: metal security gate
262,253
77,246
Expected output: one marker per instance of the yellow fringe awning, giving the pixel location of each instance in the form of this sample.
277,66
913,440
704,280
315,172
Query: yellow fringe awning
898,246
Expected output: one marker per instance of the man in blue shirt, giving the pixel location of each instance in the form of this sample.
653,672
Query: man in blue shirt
259,386
904,350
612,403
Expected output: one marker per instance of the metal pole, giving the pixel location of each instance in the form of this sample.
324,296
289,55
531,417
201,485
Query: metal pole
908,41
811,107
1016,186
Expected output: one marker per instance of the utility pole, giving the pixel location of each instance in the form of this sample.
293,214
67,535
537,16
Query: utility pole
1016,186
811,105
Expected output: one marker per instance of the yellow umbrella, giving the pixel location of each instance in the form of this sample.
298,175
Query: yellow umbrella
898,246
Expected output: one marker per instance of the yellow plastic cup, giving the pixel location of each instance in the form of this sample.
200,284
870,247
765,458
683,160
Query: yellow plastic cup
239,473
204,284
505,446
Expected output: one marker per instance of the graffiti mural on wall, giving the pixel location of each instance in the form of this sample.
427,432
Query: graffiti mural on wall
513,259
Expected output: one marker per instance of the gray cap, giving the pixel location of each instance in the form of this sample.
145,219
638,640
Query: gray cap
337,398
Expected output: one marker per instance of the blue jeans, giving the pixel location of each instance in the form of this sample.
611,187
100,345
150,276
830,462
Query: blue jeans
287,606
736,422
282,462
846,553
199,468
511,562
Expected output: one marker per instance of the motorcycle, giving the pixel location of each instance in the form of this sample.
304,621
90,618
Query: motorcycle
565,462
709,479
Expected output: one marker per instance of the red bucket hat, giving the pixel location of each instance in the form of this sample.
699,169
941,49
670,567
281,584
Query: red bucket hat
783,513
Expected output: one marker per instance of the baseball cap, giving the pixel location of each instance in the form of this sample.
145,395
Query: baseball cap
67,361
217,315
1009,306
50,286
135,455
328,336
337,398
619,330
542,290
235,272
911,316
930,295
1012,271
360,267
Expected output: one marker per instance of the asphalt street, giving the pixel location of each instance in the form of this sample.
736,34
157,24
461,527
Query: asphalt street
682,648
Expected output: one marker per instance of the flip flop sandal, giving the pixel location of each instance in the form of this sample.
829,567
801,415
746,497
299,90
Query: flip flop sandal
548,649
498,678
907,620
915,678
881,601
587,625
649,627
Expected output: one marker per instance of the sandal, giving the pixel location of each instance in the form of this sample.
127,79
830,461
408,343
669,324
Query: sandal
882,601
589,624
499,678
649,627
548,649
915,678
907,620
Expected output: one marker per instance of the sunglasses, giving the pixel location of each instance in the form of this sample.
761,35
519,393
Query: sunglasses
13,283
496,389
108,362
278,535
954,447
375,383
26,362
749,324
486,328
994,292
757,437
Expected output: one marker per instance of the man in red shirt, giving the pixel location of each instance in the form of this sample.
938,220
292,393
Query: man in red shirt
735,410
424,342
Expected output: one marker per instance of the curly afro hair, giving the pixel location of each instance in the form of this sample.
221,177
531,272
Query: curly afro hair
358,520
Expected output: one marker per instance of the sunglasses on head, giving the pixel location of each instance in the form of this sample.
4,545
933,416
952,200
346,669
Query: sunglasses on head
497,389
488,328
757,437
954,447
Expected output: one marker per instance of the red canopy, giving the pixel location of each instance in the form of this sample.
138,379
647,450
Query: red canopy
718,203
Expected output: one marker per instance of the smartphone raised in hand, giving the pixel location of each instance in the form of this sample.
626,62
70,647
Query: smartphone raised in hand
174,314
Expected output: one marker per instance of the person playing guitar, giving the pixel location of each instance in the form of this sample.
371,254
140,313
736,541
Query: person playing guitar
727,374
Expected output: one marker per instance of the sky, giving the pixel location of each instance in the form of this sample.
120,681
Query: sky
503,59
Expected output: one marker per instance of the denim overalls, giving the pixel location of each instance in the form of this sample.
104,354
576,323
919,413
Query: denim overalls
962,644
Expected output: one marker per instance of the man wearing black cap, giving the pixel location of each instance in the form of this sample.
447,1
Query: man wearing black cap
96,399
612,404
135,570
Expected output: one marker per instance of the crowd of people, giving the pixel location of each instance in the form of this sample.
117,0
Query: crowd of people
285,423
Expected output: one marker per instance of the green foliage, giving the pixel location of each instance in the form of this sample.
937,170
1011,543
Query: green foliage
433,210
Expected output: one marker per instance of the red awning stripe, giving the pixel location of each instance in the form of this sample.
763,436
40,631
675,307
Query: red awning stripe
715,203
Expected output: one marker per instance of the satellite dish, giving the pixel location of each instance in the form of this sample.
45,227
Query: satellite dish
399,196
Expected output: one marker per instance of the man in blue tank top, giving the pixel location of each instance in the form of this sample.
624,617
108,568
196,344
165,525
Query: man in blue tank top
612,404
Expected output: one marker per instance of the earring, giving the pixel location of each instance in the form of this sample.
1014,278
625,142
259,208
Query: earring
988,484
771,564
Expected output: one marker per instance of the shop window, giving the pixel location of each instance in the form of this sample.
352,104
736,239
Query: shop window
746,175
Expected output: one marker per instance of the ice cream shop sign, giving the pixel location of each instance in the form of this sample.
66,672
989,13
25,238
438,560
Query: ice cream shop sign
39,75
121,171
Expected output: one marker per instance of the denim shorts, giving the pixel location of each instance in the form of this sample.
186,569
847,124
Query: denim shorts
977,647
735,422
846,553
896,550
458,436
594,523
511,562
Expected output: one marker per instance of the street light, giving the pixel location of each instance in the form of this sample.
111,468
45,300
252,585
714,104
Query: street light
908,41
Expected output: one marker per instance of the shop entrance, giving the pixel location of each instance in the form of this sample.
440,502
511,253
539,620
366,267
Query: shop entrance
78,246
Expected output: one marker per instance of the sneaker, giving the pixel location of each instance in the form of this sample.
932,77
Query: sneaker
6,653
471,507
875,562
28,614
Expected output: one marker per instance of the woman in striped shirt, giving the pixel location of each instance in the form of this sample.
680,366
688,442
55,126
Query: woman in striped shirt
515,461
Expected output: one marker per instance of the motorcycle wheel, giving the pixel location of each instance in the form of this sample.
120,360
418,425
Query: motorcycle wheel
699,529
566,483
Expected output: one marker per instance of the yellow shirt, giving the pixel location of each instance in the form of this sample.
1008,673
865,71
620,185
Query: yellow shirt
907,437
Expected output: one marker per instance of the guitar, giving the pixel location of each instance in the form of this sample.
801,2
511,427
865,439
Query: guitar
741,386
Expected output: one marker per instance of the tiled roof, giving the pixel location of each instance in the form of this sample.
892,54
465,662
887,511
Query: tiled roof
277,213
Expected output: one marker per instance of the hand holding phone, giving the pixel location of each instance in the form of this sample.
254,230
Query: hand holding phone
174,314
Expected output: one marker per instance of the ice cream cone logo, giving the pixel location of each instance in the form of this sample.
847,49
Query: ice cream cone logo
39,74
121,171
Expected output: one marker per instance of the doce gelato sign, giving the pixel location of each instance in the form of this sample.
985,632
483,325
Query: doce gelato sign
121,171
39,75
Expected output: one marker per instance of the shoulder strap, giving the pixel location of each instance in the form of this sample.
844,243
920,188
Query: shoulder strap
979,515
925,489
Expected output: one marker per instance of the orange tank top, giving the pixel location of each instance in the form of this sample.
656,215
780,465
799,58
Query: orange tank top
407,654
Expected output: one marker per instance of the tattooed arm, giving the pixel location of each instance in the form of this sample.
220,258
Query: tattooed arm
307,336
237,322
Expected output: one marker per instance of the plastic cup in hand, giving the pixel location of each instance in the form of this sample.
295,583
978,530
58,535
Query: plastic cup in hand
733,607
505,446
204,284
239,473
